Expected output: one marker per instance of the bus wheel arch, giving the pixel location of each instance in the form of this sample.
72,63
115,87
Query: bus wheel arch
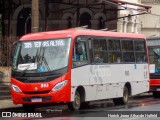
126,93
79,98
128,86
81,91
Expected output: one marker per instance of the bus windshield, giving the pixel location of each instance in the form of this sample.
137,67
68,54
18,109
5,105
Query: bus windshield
41,55
154,53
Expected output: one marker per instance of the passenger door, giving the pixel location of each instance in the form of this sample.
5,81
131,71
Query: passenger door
80,67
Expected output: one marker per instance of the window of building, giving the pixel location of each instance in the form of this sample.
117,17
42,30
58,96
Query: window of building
85,19
101,23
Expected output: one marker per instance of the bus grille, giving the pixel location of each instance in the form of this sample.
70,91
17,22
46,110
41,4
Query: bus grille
37,92
36,79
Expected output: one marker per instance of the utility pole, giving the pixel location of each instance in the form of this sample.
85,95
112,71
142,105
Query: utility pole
35,15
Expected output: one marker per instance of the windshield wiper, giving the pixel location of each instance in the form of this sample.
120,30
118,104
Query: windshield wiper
24,71
36,57
44,60
40,58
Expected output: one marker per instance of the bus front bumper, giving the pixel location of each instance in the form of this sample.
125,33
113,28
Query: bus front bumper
154,88
51,97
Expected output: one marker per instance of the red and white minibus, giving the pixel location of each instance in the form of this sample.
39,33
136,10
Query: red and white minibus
76,66
153,44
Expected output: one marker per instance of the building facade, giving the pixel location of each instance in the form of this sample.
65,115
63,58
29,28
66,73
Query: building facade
129,22
55,15
62,14
151,22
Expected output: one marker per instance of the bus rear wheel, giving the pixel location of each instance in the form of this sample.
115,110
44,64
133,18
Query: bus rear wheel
123,100
28,108
76,104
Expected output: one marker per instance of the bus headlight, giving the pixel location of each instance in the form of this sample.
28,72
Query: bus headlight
59,85
16,88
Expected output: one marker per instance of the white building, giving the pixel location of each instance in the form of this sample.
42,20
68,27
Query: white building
151,22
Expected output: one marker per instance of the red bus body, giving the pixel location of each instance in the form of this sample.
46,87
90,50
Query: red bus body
44,89
154,84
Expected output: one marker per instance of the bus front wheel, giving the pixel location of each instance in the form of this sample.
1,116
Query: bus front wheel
76,104
123,100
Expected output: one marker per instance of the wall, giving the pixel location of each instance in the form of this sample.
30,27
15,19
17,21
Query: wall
57,15
151,22
129,24
6,72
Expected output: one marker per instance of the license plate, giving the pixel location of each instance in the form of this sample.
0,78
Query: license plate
36,100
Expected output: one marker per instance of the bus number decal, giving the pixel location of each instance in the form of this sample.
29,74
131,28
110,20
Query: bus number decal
44,85
28,45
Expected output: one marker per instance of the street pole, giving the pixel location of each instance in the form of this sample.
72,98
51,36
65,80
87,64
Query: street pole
35,15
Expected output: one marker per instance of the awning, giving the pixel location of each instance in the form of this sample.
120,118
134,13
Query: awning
122,2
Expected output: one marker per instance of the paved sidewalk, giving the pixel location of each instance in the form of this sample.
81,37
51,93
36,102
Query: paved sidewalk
8,104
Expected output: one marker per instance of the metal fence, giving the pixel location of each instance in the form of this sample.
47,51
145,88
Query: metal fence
6,45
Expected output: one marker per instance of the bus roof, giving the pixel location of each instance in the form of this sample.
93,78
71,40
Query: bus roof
76,32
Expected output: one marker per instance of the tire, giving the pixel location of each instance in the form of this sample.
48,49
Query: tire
124,99
156,94
76,104
28,108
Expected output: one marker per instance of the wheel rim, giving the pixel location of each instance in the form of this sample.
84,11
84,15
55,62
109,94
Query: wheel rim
77,101
125,96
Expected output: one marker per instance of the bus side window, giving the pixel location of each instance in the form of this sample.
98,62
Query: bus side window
99,50
79,57
128,51
140,51
114,51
